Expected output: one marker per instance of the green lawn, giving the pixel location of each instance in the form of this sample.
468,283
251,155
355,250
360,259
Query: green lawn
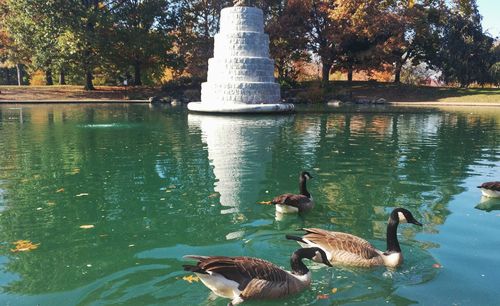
407,93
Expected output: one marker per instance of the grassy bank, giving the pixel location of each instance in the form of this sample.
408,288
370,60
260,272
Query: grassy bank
407,93
69,92
309,90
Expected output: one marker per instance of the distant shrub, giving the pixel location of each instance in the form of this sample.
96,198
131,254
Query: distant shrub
182,83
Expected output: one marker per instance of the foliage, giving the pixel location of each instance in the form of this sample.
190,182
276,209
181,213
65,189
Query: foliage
287,28
140,37
107,41
464,53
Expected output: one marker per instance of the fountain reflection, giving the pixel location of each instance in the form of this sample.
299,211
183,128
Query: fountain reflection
239,150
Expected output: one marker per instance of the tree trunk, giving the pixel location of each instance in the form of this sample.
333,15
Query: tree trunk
7,76
62,77
48,77
325,73
88,81
397,73
19,75
137,73
350,72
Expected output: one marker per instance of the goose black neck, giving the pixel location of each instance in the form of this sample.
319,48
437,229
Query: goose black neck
303,188
392,236
298,267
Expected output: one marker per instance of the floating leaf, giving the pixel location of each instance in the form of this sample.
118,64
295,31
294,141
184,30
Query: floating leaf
82,195
60,190
87,226
265,202
191,278
50,203
334,290
24,246
75,171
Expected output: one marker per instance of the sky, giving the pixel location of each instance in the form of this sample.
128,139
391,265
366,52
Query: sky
490,10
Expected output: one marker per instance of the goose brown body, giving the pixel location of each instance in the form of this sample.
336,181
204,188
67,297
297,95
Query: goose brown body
290,203
347,249
257,278
344,248
248,278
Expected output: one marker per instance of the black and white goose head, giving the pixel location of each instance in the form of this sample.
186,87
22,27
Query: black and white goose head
403,215
303,178
314,254
393,257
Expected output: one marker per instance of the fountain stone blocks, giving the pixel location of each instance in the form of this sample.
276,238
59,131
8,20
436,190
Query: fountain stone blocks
241,75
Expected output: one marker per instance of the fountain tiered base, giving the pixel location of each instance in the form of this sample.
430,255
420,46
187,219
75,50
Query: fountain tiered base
241,74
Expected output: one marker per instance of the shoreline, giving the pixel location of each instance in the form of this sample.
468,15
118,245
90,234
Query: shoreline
124,101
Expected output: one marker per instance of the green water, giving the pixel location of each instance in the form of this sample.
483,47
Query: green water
158,184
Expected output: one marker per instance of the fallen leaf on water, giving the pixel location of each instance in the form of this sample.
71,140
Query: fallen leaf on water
50,203
60,190
82,194
24,246
265,202
190,279
75,171
322,296
87,226
334,290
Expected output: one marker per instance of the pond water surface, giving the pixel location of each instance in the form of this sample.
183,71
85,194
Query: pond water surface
115,195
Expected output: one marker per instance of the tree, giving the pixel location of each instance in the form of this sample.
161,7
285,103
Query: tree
197,23
413,37
321,35
140,35
287,29
464,55
362,30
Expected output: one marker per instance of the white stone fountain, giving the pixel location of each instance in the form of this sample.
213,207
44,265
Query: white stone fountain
241,74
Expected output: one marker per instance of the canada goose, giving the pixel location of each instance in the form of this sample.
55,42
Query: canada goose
490,189
247,278
343,248
292,203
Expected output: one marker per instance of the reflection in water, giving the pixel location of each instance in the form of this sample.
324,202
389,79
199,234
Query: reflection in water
488,204
155,190
239,149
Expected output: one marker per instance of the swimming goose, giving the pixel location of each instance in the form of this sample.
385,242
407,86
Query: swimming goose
490,189
292,203
248,278
347,249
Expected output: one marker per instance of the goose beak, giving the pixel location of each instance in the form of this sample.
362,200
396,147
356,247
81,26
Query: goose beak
416,222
